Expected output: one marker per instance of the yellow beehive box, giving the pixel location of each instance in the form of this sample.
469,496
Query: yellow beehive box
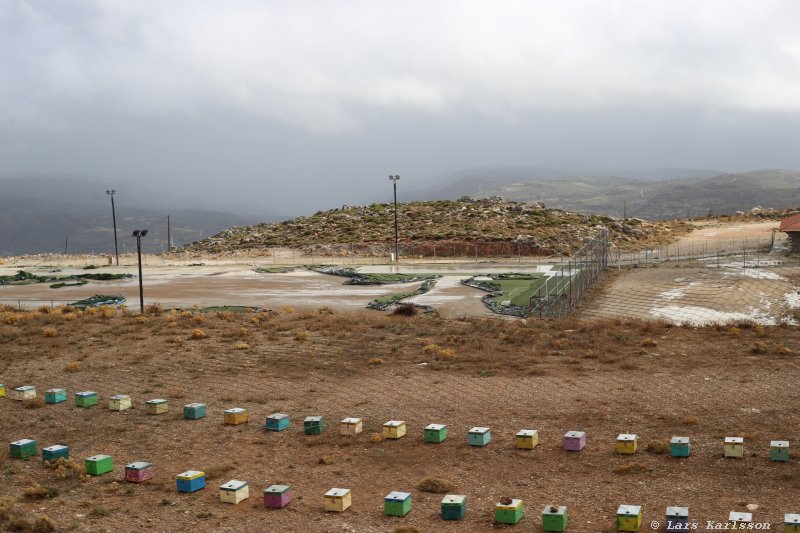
739,520
394,429
119,402
791,523
235,416
526,439
351,427
337,500
734,447
627,443
26,392
234,491
156,406
2,390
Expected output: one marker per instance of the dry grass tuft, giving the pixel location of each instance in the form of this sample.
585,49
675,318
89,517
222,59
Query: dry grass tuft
72,366
375,361
34,403
691,420
197,333
658,447
435,485
49,332
38,492
376,438
405,310
326,460
759,348
446,354
241,346
301,336
67,468
649,343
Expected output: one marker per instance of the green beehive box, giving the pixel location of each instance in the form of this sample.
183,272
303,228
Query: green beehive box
779,450
55,395
85,399
97,465
397,504
313,425
680,447
22,449
554,518
435,433
194,411
509,511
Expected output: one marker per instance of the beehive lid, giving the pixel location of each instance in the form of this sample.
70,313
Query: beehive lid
57,391
350,420
86,393
235,410
25,388
513,505
574,434
278,416
138,465
677,512
277,489
156,401
55,448
526,433
479,430
312,419
337,493
734,440
454,499
22,442
779,443
394,423
191,474
194,405
736,516
555,509
679,440
396,496
435,427
626,437
233,485
791,519
120,397
629,510
98,457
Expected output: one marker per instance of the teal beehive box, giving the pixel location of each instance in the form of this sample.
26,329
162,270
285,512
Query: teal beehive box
86,398
397,504
55,395
277,422
313,425
554,518
57,451
679,447
779,451
97,465
194,411
479,436
508,511
435,433
22,449
454,507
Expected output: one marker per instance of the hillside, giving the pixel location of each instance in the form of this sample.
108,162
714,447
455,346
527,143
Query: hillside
540,230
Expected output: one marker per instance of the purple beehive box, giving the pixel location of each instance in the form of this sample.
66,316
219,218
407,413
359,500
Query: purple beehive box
574,441
277,496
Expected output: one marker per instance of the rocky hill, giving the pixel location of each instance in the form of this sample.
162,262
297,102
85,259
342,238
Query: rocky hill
530,228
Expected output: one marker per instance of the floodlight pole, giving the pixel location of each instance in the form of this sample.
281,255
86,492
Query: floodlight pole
396,233
139,233
111,193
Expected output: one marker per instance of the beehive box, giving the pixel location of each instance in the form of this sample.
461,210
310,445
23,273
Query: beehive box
119,402
138,471
574,441
677,519
734,447
791,523
99,464
26,392
554,518
394,429
479,436
779,450
337,500
156,406
397,504
277,422
55,395
194,411
313,425
85,398
509,511
22,449
739,520
235,416
190,481
627,443
234,491
56,451
680,447
2,390
629,518
351,427
526,439
435,433
454,507
277,496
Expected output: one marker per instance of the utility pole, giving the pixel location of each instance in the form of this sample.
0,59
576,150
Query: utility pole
394,180
625,209
111,193
139,233
169,237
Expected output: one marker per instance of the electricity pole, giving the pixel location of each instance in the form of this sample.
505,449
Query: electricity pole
139,233
111,193
394,180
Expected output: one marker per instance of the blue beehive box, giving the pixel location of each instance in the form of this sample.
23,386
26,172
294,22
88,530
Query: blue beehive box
194,411
454,506
55,395
190,481
679,447
677,519
479,436
51,453
277,422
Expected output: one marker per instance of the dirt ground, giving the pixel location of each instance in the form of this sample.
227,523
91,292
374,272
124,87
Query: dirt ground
604,377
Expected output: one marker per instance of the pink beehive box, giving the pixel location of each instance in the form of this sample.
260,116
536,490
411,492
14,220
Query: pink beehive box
574,441
138,471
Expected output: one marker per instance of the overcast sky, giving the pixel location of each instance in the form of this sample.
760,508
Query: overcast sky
303,105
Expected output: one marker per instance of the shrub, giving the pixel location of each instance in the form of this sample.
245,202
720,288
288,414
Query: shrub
197,334
435,485
34,403
301,336
155,309
43,524
759,348
241,346
446,354
735,331
658,447
405,310
72,366
99,511
376,438
38,492
649,343
691,420
49,332
375,361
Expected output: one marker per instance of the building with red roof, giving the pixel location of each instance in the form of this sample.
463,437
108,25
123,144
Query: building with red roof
791,226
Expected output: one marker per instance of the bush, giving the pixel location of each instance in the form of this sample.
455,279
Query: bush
241,346
72,366
49,332
197,334
435,485
155,309
405,310
658,447
34,403
375,361
649,343
38,492
301,336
